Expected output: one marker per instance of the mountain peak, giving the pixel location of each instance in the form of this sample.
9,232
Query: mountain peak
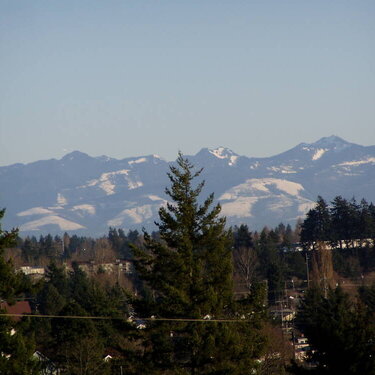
325,144
332,141
222,152
75,155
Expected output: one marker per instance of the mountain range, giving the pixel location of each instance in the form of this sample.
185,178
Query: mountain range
86,195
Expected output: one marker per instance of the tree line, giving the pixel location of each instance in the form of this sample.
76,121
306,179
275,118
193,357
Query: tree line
40,251
343,223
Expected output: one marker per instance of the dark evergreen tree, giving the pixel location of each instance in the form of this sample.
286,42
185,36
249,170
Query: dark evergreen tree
371,208
115,239
317,224
340,332
355,220
280,231
242,237
188,274
342,220
30,250
16,349
295,263
288,237
366,222
133,237
271,264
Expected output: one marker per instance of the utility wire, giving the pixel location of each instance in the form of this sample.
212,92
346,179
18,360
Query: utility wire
40,316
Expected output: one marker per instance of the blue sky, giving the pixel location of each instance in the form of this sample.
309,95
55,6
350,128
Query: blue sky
128,78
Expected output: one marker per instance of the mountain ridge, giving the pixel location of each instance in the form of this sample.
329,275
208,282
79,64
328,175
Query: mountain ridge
88,194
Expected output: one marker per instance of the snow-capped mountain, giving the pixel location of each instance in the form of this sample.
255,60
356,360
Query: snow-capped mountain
88,194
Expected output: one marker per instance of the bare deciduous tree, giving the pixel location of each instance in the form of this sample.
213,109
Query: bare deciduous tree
85,357
245,263
103,251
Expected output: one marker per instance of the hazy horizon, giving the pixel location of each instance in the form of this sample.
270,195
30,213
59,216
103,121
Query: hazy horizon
170,160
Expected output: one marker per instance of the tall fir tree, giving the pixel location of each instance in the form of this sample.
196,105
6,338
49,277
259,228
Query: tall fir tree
317,224
342,221
188,274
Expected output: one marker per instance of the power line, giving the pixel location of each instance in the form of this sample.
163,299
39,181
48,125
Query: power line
41,316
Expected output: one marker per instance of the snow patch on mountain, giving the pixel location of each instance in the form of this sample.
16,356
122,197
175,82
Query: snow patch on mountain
285,169
84,208
138,161
233,160
356,163
288,187
255,165
35,211
108,187
224,153
282,203
104,181
220,152
62,223
134,215
274,195
61,199
134,184
262,186
319,153
241,207
107,176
